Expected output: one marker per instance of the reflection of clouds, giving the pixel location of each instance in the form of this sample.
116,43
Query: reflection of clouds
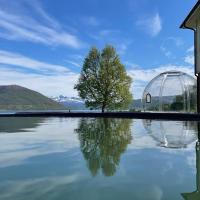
145,171
154,193
191,161
143,140
188,154
44,187
54,135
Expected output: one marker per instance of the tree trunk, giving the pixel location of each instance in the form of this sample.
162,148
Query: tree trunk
103,109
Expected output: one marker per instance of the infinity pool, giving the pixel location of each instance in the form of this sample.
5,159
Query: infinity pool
98,159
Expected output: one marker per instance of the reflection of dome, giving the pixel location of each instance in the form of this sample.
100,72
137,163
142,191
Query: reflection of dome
170,91
171,134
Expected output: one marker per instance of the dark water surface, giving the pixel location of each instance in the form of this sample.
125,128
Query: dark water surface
98,159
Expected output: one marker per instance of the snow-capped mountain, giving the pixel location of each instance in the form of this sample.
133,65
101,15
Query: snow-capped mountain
62,98
73,103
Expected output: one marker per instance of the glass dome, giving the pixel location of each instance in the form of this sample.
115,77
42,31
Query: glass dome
171,134
170,91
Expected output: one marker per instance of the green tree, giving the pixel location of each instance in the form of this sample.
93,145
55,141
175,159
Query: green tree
103,82
102,141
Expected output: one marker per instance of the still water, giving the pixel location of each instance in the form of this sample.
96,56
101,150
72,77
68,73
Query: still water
98,159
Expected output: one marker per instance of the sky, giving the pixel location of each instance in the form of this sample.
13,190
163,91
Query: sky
43,43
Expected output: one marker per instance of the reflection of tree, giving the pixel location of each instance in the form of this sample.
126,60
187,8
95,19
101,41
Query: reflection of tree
102,142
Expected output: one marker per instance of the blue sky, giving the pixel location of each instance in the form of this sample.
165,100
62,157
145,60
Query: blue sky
43,43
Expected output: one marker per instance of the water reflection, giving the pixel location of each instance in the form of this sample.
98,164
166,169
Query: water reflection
19,124
102,141
196,194
172,134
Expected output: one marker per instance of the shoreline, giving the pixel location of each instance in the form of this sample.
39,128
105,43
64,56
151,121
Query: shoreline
132,115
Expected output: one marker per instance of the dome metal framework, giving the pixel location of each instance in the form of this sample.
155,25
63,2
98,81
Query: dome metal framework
171,91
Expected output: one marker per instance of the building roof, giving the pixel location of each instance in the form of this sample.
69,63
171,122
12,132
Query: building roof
190,20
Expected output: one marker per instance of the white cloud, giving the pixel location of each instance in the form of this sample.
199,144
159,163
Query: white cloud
166,52
141,77
15,59
170,45
53,80
49,79
19,147
42,28
148,74
189,59
74,63
191,49
152,25
43,186
106,35
121,48
49,85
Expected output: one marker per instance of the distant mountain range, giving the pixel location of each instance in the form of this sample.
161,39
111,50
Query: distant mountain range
72,103
75,103
14,97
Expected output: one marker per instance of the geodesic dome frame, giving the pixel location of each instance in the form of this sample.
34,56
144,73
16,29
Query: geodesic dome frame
170,91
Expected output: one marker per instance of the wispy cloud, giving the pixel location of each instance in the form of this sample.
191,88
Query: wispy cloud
74,63
191,49
169,44
189,59
49,79
10,59
62,80
151,25
114,37
144,75
106,34
121,48
50,85
42,185
141,77
166,51
91,21
38,28
14,149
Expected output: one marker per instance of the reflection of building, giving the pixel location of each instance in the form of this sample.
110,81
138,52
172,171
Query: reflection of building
196,194
171,134
170,91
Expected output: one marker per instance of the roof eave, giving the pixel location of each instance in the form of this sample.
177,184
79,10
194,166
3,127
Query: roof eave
188,18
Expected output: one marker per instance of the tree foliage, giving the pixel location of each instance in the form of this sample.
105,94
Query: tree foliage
103,81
